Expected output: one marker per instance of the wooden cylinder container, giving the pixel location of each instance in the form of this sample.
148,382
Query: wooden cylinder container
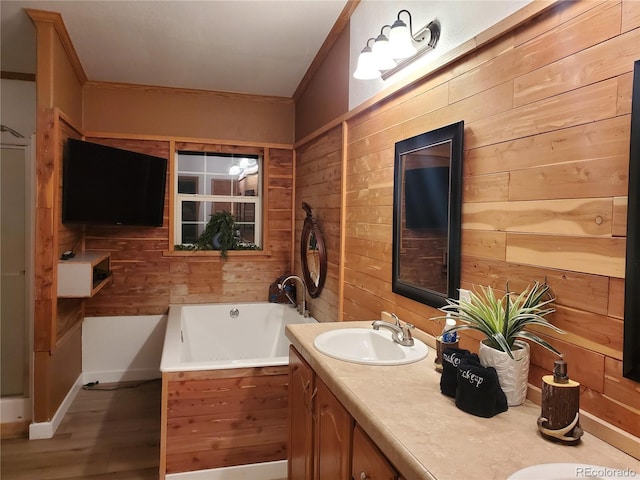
559,420
440,346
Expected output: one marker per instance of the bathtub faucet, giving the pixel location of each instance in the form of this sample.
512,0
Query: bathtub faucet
303,307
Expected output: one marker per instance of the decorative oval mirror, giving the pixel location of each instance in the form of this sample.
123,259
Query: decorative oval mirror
426,215
313,254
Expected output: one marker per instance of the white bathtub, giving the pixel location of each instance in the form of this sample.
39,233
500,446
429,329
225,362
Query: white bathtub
218,361
212,336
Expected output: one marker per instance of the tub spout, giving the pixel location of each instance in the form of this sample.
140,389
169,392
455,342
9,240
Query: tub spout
302,308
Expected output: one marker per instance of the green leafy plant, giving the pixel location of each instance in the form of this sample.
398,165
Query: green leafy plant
502,320
219,234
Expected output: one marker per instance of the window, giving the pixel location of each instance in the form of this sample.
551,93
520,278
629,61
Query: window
209,183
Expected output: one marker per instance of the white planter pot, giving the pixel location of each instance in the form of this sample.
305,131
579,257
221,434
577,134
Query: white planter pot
513,374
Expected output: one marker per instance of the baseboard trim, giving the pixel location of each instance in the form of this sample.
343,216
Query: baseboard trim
115,376
41,430
276,470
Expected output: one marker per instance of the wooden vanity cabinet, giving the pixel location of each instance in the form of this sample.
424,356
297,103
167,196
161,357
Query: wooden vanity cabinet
333,430
301,442
324,441
368,461
320,427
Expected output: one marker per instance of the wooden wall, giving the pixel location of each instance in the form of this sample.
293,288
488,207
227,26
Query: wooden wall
175,112
326,96
319,183
147,276
546,110
57,322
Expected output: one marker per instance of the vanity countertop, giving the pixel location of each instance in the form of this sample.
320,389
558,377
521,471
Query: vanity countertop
425,435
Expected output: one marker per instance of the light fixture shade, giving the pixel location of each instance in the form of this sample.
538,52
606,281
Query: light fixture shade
382,53
367,67
400,41
235,170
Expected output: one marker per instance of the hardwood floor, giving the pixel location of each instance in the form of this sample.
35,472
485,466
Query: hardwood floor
105,435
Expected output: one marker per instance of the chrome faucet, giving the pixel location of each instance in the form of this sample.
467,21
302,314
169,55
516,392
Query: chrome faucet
303,307
401,333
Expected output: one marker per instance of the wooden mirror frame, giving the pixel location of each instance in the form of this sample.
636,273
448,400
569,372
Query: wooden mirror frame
451,133
310,228
631,349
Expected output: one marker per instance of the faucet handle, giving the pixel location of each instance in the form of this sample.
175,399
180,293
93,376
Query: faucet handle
406,332
396,319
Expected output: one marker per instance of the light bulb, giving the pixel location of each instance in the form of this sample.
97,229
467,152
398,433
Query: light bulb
382,53
400,41
367,67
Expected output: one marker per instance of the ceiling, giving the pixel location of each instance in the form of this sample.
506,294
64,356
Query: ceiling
261,47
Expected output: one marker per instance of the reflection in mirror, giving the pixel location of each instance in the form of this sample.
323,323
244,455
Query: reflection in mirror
426,215
313,255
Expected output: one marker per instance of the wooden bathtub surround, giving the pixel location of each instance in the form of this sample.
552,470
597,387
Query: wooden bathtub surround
222,418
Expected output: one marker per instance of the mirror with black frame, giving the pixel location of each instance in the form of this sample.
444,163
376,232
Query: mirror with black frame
427,197
631,349
313,254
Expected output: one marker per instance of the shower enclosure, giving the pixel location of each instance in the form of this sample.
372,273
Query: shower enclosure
16,284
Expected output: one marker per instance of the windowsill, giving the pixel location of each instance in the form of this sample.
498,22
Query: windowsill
216,253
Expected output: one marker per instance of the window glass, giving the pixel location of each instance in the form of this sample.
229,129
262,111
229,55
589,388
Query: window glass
208,183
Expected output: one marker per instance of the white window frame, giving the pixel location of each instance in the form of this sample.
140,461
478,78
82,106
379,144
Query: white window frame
203,198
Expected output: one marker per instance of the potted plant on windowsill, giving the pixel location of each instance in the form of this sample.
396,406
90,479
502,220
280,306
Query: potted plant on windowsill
503,321
221,233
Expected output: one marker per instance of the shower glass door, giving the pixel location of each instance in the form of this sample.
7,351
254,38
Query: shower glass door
14,320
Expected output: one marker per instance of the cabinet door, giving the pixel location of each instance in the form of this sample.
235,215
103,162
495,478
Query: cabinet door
368,461
333,436
301,388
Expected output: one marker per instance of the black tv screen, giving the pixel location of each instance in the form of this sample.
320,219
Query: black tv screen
427,198
107,185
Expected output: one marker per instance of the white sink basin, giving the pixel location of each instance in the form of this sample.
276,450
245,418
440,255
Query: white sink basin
368,346
569,471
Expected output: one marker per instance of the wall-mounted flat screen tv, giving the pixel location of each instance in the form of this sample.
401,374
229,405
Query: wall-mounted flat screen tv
427,198
111,186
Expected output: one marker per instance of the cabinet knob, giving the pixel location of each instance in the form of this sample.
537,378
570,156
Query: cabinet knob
363,476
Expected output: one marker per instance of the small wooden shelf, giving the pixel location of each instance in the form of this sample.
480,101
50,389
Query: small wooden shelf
83,275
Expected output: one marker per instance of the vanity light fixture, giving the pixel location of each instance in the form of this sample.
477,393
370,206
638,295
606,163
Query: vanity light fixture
382,51
367,68
380,60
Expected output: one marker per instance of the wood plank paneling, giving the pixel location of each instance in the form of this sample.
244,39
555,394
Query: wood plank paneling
571,217
576,107
224,417
600,62
582,179
573,289
600,256
484,244
604,139
619,227
318,181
